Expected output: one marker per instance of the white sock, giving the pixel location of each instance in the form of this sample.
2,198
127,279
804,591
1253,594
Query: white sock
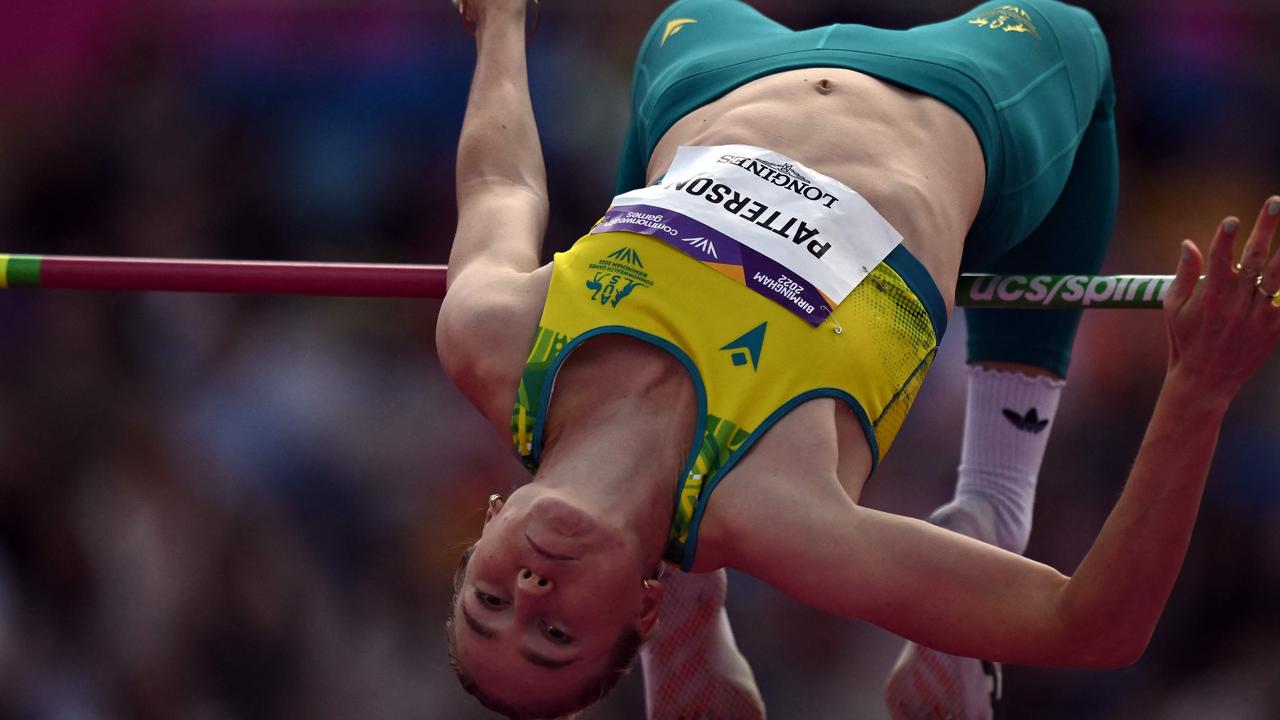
1008,418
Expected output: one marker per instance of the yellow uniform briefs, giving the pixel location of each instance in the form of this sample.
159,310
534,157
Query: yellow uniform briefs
751,359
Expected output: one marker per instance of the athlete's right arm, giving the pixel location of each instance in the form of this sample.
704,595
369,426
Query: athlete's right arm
501,181
490,310
960,596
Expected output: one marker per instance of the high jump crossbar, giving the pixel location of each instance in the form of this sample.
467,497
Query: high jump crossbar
118,274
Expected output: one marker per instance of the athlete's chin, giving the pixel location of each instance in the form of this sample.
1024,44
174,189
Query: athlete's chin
561,518
553,528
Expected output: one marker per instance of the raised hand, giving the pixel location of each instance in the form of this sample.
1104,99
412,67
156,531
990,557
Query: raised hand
474,12
1222,329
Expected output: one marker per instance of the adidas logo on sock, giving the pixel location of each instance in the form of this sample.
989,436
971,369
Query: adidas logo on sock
1031,422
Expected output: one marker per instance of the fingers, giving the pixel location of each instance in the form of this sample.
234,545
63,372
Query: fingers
468,20
1222,252
1184,281
1226,327
1268,219
1221,275
1226,283
1259,244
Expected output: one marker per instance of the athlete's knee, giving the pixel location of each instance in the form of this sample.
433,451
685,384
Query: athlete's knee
1102,56
1084,45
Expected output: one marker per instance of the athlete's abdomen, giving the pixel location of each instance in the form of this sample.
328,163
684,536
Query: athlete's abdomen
915,159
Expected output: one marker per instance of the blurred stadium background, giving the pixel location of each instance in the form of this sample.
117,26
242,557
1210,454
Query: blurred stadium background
216,507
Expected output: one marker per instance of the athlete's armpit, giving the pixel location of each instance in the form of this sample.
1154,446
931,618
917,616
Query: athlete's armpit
500,229
484,331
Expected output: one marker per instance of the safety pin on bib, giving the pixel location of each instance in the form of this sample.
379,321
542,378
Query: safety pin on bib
839,330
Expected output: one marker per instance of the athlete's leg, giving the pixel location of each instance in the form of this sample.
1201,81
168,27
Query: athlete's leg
1010,409
692,667
1008,414
1018,359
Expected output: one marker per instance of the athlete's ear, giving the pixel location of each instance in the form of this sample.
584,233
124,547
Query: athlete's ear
495,506
650,603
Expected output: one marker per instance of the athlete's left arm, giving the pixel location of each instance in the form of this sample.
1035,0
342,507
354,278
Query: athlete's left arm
963,597
936,587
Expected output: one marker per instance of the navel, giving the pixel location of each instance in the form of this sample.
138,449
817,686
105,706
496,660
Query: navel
825,86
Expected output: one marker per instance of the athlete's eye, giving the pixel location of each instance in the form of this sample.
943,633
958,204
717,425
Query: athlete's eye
492,602
556,635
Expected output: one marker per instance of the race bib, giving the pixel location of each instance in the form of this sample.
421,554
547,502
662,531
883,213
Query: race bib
787,232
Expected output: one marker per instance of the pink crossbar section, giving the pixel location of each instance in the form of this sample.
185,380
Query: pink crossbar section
230,276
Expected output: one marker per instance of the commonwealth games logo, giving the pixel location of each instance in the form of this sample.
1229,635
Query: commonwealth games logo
617,276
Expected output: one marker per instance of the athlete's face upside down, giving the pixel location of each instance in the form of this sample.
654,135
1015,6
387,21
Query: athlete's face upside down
550,606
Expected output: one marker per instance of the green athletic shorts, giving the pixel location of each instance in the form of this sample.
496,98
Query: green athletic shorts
1032,78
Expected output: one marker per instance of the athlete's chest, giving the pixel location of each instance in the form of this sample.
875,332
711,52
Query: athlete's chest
745,396
817,439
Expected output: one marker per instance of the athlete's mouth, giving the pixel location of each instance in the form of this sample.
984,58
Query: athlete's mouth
547,553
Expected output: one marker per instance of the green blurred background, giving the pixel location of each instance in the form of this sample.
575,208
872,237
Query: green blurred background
216,507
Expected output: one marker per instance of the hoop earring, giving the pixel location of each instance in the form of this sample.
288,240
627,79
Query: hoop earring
494,498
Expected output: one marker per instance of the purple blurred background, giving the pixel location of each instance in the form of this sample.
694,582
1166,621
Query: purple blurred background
218,507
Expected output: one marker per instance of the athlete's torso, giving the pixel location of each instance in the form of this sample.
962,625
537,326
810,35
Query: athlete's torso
913,158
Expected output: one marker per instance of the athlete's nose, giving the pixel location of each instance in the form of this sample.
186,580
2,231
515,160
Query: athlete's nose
530,582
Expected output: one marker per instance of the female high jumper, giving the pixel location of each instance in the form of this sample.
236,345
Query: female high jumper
735,344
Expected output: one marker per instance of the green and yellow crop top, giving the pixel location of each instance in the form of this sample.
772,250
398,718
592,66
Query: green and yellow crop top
751,359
